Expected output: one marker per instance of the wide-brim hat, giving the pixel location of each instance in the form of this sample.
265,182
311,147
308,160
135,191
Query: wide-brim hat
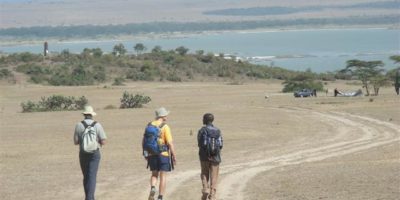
161,112
88,110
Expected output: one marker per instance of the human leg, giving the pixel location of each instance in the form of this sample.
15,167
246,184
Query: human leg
205,176
214,172
83,161
165,167
163,182
92,175
153,183
90,165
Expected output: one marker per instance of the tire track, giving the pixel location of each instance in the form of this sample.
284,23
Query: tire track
234,178
374,133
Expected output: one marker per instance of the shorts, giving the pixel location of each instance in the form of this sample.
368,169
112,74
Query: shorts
159,163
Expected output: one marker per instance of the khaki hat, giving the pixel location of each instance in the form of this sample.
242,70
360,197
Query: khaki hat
161,112
88,110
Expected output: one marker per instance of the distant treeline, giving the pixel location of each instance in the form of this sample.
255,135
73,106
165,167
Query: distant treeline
92,66
259,11
89,31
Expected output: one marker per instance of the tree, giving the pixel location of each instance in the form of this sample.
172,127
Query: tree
395,73
200,52
305,80
156,49
182,50
395,58
119,50
379,81
365,71
97,52
139,48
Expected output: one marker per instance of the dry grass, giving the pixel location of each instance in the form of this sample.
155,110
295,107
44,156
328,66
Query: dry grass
39,161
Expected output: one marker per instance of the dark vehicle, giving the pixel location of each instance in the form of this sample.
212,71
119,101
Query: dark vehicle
303,93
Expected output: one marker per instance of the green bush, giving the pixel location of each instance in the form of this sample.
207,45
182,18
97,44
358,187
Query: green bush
55,103
291,86
173,76
5,73
78,75
130,101
119,81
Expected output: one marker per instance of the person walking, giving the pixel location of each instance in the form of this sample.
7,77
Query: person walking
163,159
90,136
210,143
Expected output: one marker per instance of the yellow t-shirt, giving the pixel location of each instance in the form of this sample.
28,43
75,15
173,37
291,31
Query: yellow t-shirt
166,137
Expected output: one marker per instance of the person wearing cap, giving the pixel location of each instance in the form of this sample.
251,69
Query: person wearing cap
89,161
162,163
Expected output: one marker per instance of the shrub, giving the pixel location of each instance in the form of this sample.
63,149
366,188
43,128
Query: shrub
119,81
55,103
130,101
110,107
173,76
5,73
291,86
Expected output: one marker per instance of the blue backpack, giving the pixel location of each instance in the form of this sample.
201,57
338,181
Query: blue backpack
150,140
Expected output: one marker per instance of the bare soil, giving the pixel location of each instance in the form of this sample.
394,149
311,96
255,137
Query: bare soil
278,147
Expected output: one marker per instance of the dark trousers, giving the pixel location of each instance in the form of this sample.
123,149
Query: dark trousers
209,179
89,165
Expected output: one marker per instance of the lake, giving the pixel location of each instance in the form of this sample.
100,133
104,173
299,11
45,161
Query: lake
319,50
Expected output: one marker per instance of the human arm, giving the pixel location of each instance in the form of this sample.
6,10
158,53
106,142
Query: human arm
169,143
76,134
102,137
172,151
221,140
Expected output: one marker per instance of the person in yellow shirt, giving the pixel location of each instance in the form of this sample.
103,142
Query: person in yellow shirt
162,163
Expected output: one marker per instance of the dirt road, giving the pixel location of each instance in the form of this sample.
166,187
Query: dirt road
275,148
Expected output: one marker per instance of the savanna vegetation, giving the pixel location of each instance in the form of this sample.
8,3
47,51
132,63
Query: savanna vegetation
93,66
55,103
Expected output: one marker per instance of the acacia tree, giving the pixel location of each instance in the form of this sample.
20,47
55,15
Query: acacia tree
156,49
366,71
139,48
304,80
182,50
379,81
119,50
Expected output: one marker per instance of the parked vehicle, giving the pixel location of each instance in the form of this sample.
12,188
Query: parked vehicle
303,93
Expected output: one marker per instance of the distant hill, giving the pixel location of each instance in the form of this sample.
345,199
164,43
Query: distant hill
259,11
33,13
90,31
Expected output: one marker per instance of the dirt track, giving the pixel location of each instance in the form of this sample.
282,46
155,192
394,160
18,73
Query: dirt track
284,138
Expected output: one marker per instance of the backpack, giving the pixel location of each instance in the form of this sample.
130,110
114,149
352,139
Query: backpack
150,140
212,142
88,140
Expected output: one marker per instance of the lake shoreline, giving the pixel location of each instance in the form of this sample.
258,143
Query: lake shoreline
176,35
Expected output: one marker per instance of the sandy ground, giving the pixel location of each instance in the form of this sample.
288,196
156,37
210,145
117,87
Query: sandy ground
276,148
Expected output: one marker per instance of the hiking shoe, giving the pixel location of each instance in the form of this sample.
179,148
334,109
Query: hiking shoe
152,194
204,196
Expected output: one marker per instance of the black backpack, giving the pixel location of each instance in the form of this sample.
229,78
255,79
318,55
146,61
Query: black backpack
212,142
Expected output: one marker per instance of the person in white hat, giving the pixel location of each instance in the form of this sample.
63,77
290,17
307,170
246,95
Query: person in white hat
163,162
89,154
